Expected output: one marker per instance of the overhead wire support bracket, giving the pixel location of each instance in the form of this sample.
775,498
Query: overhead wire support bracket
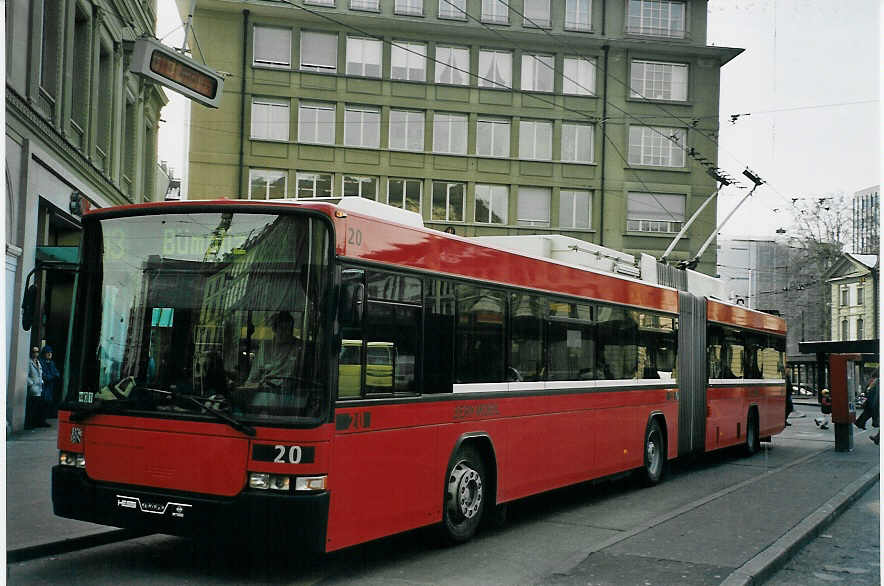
722,181
757,181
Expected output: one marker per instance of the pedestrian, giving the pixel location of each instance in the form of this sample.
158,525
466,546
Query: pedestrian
789,406
826,408
51,378
35,411
870,407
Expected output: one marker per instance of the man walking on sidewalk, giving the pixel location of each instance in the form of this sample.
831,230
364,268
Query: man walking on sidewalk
870,408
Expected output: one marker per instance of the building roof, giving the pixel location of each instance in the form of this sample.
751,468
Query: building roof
869,260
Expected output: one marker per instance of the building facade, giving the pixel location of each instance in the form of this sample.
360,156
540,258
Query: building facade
76,123
854,286
592,118
865,221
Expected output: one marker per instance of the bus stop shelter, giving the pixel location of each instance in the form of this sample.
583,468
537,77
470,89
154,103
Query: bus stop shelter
869,349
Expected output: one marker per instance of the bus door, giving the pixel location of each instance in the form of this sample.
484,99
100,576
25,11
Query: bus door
692,376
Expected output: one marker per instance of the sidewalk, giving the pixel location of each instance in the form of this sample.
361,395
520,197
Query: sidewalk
740,534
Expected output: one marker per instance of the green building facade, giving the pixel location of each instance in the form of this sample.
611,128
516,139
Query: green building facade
591,118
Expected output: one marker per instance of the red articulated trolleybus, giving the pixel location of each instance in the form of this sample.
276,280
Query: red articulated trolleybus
311,372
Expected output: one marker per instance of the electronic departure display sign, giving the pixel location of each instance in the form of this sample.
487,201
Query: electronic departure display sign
156,61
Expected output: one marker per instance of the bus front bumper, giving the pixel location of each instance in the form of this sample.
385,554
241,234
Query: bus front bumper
253,516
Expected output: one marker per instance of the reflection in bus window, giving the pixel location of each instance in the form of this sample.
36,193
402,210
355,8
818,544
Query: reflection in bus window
616,335
480,335
526,345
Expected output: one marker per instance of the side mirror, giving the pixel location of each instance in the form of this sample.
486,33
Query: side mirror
28,305
352,303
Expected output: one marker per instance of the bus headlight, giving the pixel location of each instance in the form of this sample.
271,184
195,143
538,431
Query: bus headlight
264,481
72,459
305,483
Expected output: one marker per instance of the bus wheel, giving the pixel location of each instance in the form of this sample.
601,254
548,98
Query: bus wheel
655,454
464,496
752,441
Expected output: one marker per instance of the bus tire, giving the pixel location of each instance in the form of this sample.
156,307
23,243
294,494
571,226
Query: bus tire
654,454
752,439
465,495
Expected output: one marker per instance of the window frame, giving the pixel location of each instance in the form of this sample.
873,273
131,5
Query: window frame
451,118
496,124
533,67
577,143
579,88
405,181
360,183
363,111
283,174
365,5
653,137
573,208
670,229
400,11
495,54
314,67
491,16
448,12
534,126
448,186
324,106
363,43
576,25
407,125
408,50
256,62
270,104
299,175
538,223
533,22
441,66
647,31
645,93
490,203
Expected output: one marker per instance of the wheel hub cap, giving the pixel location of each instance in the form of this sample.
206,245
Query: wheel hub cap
465,491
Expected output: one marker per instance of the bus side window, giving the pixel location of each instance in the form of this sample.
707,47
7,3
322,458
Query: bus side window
438,354
350,357
480,341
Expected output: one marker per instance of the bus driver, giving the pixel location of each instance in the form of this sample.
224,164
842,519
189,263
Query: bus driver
275,364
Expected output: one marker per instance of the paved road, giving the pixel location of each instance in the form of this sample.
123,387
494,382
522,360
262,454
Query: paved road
847,552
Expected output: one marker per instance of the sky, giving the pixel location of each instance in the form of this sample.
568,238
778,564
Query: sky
807,87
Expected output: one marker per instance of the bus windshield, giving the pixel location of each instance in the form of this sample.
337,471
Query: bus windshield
226,308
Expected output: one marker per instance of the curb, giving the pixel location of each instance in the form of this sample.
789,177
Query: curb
775,556
24,554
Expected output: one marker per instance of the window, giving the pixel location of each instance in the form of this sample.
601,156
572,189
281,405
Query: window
311,185
654,212
49,50
81,87
409,7
320,2
362,127
535,140
405,194
859,295
578,15
408,61
270,120
319,52
493,137
571,341
577,143
450,133
574,209
448,201
453,65
579,76
267,184
495,69
658,18
537,73
456,9
845,330
392,332
657,145
536,13
406,130
364,57
272,46
492,202
316,123
533,206
845,296
438,355
653,80
371,5
105,113
356,186
526,332
859,328
495,11
479,340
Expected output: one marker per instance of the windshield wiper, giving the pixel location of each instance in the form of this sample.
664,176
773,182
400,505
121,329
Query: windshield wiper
234,423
